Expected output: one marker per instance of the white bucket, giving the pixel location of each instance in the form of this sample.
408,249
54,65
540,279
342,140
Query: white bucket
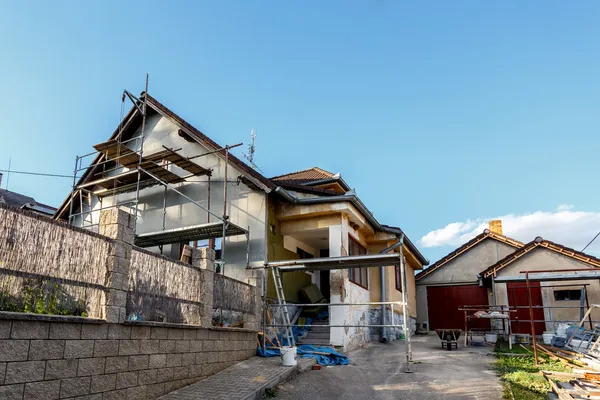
288,356
547,337
491,337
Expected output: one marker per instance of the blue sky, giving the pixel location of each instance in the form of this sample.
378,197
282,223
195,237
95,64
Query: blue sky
437,112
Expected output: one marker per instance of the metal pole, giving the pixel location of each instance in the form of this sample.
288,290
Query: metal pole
587,303
137,190
164,219
248,247
225,221
405,312
73,191
535,356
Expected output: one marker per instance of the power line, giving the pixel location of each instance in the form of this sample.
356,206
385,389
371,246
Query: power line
35,173
591,241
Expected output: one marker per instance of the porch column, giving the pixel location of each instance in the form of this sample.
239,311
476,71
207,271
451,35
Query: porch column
338,247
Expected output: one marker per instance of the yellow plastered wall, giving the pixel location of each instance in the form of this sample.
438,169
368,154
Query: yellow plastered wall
292,281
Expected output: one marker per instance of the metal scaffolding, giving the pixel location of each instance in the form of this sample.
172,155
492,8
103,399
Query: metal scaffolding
121,166
337,263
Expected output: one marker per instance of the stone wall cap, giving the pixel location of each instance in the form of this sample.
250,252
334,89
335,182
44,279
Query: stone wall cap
21,316
186,326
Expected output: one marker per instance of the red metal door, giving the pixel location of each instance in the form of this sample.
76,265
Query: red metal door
517,296
443,303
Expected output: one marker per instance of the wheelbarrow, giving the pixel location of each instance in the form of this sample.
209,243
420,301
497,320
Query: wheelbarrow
449,337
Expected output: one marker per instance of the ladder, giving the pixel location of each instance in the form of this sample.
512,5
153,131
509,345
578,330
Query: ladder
283,306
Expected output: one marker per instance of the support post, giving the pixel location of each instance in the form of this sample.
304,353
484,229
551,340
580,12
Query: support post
139,175
73,191
533,340
405,312
225,217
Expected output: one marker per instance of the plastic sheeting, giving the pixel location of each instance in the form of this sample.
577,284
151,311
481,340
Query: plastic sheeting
323,355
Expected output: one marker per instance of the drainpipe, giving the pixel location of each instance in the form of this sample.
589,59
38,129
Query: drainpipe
384,338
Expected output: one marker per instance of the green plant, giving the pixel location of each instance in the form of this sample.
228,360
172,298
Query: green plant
519,374
41,297
271,392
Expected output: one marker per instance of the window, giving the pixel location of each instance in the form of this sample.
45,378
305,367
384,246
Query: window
563,295
398,278
303,254
360,276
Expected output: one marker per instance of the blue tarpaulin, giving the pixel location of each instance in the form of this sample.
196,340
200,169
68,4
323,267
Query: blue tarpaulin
308,351
332,357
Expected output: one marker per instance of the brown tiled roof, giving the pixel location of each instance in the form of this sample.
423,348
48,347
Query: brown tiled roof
487,234
534,244
304,176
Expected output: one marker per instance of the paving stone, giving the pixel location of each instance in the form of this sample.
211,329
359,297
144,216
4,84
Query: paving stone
240,381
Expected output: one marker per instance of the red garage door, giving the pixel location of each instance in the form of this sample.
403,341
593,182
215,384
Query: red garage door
443,303
520,321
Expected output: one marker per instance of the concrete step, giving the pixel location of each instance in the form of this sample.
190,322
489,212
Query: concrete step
315,341
318,329
319,335
320,322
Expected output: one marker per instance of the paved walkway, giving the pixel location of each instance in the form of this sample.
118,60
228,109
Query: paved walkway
245,380
376,372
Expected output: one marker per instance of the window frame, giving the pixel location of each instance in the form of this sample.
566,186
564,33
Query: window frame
398,278
358,275
568,293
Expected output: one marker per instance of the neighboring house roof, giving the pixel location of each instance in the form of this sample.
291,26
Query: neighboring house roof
304,176
486,234
534,244
19,200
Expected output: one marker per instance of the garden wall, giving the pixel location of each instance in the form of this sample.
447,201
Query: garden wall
51,357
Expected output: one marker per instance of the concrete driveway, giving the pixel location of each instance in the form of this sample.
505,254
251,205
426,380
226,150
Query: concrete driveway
376,372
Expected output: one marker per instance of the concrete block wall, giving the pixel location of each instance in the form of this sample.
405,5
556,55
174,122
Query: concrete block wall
48,357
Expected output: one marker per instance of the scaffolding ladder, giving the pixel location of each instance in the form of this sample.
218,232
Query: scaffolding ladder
289,334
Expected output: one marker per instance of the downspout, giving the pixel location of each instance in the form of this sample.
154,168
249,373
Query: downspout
383,338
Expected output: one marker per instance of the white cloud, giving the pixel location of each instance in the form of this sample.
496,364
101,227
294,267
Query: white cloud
565,225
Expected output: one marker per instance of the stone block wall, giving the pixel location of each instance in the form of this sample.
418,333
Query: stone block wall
49,357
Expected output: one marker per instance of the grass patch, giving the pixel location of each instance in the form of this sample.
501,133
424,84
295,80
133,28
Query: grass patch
520,376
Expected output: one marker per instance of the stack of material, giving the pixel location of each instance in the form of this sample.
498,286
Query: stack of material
581,385
571,358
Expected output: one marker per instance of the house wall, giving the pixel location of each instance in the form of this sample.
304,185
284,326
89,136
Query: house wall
344,291
461,270
246,207
544,259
